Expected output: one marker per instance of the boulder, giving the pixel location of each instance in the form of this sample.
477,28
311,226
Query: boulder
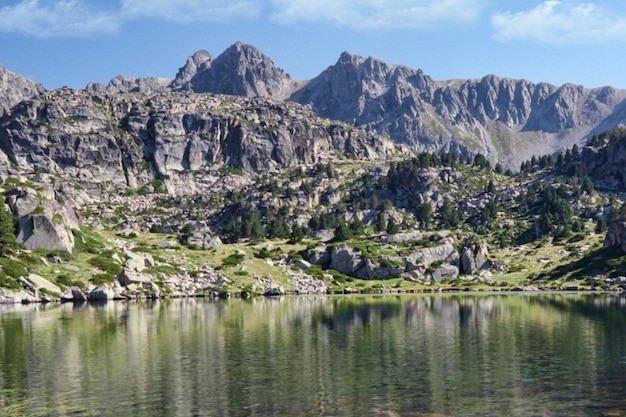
43,224
22,201
445,252
137,262
273,289
616,236
345,259
40,283
42,232
131,276
474,258
102,292
203,240
302,264
445,272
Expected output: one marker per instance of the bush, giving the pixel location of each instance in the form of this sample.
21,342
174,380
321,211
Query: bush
12,268
233,260
66,281
8,282
106,264
98,279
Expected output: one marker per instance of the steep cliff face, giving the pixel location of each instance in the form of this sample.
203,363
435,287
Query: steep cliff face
126,140
15,88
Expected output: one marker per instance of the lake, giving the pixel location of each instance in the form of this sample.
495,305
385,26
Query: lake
548,354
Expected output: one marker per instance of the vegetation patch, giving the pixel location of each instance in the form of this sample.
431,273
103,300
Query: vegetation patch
107,265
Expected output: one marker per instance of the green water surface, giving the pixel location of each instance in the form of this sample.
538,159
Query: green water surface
387,355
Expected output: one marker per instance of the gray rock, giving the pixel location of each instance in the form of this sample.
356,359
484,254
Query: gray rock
137,262
22,201
40,232
102,292
345,259
40,283
445,272
474,258
15,88
273,290
132,276
616,236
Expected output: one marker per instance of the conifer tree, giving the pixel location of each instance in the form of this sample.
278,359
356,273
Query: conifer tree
8,241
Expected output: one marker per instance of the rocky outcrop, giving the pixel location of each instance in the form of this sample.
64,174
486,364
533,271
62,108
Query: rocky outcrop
474,258
507,120
127,84
15,88
444,260
616,236
43,223
604,165
108,142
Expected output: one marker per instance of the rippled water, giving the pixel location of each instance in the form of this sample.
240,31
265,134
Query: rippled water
421,355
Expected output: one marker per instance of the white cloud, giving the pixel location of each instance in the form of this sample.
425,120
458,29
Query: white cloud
558,23
366,14
71,18
190,10
57,18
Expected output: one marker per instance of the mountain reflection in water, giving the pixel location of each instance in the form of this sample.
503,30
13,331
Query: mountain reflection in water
387,355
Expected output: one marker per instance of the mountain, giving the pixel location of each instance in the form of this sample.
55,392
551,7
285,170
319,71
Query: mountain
240,70
15,88
507,120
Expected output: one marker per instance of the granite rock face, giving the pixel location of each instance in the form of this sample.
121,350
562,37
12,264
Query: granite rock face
114,141
43,223
15,88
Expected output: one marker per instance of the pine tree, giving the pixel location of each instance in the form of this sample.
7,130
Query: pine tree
392,227
8,242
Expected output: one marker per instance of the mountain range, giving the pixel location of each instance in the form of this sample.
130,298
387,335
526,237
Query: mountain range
505,119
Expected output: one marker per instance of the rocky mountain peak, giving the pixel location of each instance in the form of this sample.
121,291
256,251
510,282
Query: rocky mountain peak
244,71
15,88
199,61
345,90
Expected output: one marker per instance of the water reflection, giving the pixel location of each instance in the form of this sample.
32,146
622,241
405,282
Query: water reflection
546,354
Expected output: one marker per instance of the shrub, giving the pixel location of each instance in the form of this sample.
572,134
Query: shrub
233,260
12,268
105,278
8,282
66,281
106,264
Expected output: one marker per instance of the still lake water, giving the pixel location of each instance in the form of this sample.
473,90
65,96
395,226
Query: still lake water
410,355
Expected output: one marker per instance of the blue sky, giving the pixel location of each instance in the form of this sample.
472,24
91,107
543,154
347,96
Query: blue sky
73,42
